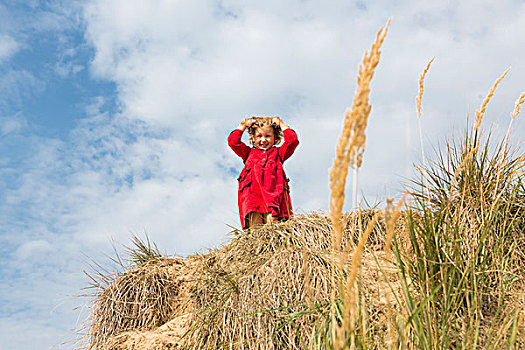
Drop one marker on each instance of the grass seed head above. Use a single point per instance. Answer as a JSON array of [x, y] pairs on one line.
[[421, 89], [518, 105], [481, 112]]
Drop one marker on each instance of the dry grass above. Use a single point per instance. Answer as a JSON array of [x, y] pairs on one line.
[[517, 107], [419, 98], [351, 144], [419, 109], [481, 112], [143, 298], [269, 288], [349, 151], [468, 241]]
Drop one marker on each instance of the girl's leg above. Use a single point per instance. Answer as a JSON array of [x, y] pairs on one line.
[[254, 219], [270, 218]]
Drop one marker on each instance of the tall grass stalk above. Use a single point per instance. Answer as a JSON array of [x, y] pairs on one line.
[[419, 109], [349, 151], [351, 142], [517, 108], [481, 112]]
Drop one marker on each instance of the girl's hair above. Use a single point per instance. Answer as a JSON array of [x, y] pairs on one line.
[[261, 122]]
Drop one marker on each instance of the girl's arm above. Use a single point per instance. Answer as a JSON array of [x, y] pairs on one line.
[[234, 139], [246, 123], [290, 139]]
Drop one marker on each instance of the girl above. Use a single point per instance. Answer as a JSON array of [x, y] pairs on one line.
[[264, 194]]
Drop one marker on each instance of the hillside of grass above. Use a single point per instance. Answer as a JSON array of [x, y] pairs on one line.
[[271, 288], [268, 287]]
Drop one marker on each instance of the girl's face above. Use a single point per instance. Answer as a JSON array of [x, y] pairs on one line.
[[264, 137]]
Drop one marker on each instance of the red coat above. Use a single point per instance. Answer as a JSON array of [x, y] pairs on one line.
[[263, 185]]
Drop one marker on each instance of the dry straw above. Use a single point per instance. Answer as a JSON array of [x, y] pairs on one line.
[[268, 288], [349, 296], [391, 215], [518, 105], [468, 157], [421, 88], [349, 151], [514, 114], [481, 112], [351, 143], [419, 108], [143, 298]]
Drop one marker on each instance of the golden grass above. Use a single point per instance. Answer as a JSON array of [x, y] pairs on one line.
[[518, 105], [419, 97], [514, 114], [419, 108], [481, 112], [466, 158], [143, 298], [349, 150], [351, 144], [391, 215], [253, 293]]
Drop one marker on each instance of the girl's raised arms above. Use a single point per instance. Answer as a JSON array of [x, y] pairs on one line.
[[246, 123], [277, 121]]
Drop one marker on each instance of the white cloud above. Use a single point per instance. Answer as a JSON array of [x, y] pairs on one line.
[[8, 47], [33, 248], [9, 124], [33, 330], [15, 86]]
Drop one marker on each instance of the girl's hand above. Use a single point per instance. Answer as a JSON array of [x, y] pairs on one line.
[[246, 123], [278, 121], [249, 122]]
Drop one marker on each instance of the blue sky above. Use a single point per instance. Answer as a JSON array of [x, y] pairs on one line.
[[114, 116]]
